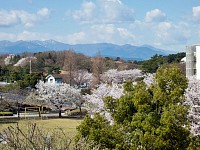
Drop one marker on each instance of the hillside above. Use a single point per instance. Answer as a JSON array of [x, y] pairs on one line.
[[128, 52]]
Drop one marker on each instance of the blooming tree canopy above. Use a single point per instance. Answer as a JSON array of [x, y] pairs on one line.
[[95, 101], [148, 117], [113, 75], [83, 77], [149, 79], [193, 100], [59, 95]]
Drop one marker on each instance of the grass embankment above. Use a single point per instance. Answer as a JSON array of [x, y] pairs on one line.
[[67, 125]]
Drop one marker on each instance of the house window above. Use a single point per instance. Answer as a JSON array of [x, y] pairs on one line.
[[51, 80]]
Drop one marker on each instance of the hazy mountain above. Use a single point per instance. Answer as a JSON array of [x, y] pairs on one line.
[[106, 49]]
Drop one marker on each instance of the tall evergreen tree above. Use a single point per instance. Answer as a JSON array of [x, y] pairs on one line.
[[149, 118]]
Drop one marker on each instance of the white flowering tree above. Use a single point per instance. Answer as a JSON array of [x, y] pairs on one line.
[[8, 59], [149, 79], [83, 77], [59, 95], [193, 101], [95, 101], [113, 75], [112, 86]]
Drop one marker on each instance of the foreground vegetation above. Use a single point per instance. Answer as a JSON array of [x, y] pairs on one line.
[[68, 125], [146, 117], [39, 134], [52, 62], [126, 111]]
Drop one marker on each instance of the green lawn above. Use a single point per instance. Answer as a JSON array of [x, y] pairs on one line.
[[67, 125], [45, 127]]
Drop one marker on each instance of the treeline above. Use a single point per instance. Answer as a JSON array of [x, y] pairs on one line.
[[157, 61], [51, 62]]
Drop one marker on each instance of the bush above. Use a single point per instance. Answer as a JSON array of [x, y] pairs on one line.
[[34, 137], [77, 112], [31, 137], [6, 113]]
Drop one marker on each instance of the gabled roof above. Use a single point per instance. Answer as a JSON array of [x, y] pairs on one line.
[[55, 76], [48, 76]]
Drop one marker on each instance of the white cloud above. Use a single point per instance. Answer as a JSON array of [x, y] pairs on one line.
[[76, 38], [103, 33], [8, 18], [164, 26], [169, 34], [155, 15], [165, 35], [85, 13], [103, 11], [25, 35], [15, 17], [196, 13], [44, 12], [7, 36], [118, 1], [125, 34]]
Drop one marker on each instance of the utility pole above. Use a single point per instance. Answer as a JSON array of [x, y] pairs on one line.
[[30, 68]]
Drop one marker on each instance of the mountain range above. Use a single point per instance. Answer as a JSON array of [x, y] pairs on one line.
[[128, 52]]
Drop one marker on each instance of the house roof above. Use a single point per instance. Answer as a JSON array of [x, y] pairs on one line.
[[183, 59], [55, 76]]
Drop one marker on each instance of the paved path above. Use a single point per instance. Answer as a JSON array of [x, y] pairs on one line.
[[29, 115]]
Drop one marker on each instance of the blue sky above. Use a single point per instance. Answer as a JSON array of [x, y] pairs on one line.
[[163, 24]]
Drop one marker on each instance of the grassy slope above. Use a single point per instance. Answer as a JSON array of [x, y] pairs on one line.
[[68, 125]]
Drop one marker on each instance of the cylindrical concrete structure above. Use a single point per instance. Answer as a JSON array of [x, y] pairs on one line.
[[198, 61], [190, 61]]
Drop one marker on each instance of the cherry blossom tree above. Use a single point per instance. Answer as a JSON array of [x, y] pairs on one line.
[[59, 95], [113, 75], [8, 59], [95, 101], [193, 101], [112, 86], [149, 117], [23, 61], [83, 77], [149, 79]]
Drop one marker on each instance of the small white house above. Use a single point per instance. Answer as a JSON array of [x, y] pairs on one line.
[[183, 60], [54, 78]]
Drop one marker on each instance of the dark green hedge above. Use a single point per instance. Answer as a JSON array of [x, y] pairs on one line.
[[6, 114]]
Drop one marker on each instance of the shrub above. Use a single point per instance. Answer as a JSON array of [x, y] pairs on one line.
[[77, 112], [6, 113]]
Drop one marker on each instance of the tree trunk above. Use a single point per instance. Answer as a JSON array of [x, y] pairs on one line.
[[18, 110], [18, 113], [80, 112], [60, 115], [80, 109]]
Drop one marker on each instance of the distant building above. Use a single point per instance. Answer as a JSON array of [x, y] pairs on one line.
[[56, 78], [193, 61], [4, 83], [183, 60]]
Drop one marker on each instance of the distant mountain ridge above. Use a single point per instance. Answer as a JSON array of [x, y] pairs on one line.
[[105, 49]]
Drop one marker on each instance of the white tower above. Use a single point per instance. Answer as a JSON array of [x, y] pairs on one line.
[[198, 61], [190, 61], [193, 61]]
